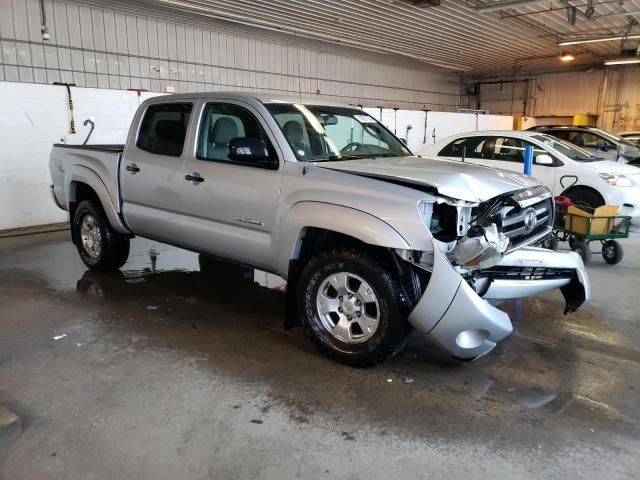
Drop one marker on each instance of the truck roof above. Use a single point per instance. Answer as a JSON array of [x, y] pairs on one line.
[[259, 96]]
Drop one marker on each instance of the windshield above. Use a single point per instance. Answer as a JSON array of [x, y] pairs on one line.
[[566, 148], [616, 138], [318, 133]]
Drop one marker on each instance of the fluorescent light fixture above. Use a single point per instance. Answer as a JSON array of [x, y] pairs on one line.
[[623, 61], [608, 38], [495, 6], [567, 57]]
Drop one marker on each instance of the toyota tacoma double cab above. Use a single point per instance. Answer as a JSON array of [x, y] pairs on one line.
[[373, 241]]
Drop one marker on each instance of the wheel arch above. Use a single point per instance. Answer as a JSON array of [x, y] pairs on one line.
[[84, 184], [309, 222], [573, 188]]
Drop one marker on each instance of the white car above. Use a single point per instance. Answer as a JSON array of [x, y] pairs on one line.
[[564, 168]]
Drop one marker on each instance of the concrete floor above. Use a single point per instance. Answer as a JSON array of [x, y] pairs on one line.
[[167, 372]]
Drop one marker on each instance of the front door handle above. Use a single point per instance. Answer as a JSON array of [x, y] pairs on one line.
[[133, 168], [194, 177]]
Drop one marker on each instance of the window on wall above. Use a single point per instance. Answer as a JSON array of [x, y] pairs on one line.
[[164, 128], [221, 123]]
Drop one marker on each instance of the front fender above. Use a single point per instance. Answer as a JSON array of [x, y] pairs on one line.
[[355, 223], [82, 174]]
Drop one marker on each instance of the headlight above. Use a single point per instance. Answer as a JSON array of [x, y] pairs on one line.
[[616, 180], [425, 209]]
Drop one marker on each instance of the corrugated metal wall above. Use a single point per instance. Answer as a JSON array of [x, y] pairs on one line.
[[612, 94], [95, 47]]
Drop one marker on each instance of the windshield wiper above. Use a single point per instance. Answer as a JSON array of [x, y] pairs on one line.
[[336, 158], [333, 158]]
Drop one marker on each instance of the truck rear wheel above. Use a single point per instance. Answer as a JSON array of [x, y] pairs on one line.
[[352, 308], [100, 246]]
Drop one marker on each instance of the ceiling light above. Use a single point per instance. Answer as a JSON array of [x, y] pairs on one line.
[[623, 61], [609, 38], [494, 6], [567, 57]]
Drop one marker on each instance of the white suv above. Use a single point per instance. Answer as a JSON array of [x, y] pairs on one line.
[[564, 168]]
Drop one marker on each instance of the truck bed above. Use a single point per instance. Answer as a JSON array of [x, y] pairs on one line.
[[99, 160], [98, 148]]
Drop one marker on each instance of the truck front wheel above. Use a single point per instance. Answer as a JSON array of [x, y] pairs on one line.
[[100, 246], [352, 307]]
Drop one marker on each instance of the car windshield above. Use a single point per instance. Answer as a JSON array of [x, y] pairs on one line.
[[566, 148], [615, 138], [320, 133]]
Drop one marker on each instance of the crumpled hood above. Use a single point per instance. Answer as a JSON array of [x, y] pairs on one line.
[[462, 181]]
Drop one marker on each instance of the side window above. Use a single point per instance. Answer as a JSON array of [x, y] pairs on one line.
[[568, 135], [472, 147], [164, 128], [508, 150], [222, 122], [539, 151]]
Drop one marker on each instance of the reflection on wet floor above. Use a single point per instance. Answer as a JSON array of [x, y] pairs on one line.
[[565, 372]]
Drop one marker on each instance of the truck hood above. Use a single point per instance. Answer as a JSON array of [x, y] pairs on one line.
[[462, 181]]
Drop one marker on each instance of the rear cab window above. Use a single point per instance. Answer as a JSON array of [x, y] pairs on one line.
[[164, 128]]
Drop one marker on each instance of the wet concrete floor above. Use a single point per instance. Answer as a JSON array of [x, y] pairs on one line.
[[166, 371]]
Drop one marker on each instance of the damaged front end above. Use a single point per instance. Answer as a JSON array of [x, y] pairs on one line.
[[480, 258]]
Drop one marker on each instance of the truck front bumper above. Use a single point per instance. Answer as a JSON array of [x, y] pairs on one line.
[[452, 315]]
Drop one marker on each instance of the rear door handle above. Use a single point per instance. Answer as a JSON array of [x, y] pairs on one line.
[[194, 177], [133, 168]]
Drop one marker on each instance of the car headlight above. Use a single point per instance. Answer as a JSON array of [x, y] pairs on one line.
[[425, 209], [616, 180]]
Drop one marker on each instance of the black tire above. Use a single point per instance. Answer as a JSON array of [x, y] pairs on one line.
[[582, 248], [550, 243], [585, 197], [612, 252], [114, 249], [572, 242], [392, 330]]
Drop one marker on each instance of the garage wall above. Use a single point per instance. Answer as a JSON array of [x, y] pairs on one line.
[[96, 47], [32, 118], [613, 94]]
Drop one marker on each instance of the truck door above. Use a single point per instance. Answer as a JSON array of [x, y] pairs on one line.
[[230, 207], [151, 175]]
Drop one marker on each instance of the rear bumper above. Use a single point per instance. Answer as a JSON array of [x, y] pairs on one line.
[[452, 315]]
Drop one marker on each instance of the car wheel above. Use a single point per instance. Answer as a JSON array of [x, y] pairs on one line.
[[351, 307], [612, 252], [582, 248], [585, 198], [99, 245]]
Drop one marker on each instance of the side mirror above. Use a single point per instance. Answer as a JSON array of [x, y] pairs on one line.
[[544, 160], [602, 146], [252, 151]]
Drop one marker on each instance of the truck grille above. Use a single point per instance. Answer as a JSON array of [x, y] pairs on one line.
[[524, 225], [524, 216], [528, 273]]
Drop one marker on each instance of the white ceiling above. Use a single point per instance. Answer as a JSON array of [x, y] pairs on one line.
[[452, 35]]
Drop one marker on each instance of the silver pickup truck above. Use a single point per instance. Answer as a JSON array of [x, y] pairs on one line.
[[372, 240]]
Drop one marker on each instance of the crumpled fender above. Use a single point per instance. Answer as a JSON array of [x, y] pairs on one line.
[[453, 316]]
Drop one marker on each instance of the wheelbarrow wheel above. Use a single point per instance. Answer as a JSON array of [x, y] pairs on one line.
[[582, 248], [612, 252], [550, 243]]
